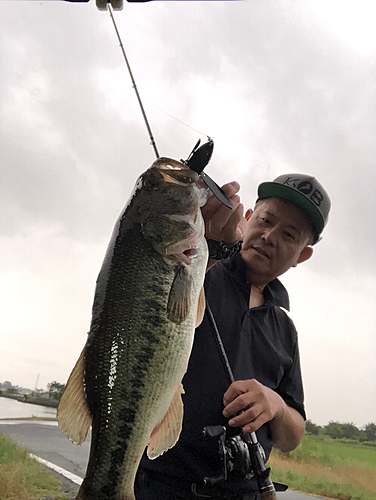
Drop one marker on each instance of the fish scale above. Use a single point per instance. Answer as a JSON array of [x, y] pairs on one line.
[[138, 341], [141, 334]]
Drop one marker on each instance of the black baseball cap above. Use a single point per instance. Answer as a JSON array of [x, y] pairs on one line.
[[306, 192]]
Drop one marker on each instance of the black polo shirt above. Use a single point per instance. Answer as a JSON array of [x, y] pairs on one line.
[[261, 343]]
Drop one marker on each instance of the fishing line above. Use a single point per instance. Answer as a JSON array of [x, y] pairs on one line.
[[152, 141], [177, 119]]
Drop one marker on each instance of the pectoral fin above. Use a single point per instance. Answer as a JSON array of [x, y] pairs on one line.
[[200, 307], [166, 434], [179, 299], [73, 414]]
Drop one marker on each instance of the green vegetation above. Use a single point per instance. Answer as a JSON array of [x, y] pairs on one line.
[[343, 469], [55, 390], [11, 391], [337, 460], [50, 398], [22, 478], [347, 430]]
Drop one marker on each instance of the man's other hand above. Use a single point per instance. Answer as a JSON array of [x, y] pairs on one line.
[[259, 405]]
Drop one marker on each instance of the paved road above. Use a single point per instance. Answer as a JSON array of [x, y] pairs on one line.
[[45, 440]]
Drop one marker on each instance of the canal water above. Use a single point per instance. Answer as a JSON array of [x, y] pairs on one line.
[[10, 408]]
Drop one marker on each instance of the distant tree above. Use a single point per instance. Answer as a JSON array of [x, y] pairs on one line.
[[337, 430], [6, 385], [55, 390], [350, 431], [312, 428], [11, 391], [362, 436], [334, 430], [370, 431]]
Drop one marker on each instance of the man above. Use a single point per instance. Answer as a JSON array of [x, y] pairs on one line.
[[259, 338]]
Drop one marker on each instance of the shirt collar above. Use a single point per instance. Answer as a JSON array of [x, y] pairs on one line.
[[274, 292]]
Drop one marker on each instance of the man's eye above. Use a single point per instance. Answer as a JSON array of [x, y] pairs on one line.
[[265, 220], [290, 236]]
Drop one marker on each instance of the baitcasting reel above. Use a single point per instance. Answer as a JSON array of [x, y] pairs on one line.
[[241, 458]]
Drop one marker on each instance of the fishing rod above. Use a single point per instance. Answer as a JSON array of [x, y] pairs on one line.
[[152, 141], [102, 4], [256, 456], [197, 161], [198, 158]]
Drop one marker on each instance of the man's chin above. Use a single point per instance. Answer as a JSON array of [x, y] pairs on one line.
[[257, 263]]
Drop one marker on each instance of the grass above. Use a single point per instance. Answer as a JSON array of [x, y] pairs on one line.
[[22, 478], [328, 468], [340, 470]]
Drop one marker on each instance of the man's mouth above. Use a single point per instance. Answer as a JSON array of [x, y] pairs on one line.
[[261, 251]]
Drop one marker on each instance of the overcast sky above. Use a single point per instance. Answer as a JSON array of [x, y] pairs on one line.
[[282, 86]]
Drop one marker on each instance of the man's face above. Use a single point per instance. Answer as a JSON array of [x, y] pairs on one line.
[[275, 239]]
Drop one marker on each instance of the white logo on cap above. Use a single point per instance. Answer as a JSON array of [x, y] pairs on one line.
[[306, 188]]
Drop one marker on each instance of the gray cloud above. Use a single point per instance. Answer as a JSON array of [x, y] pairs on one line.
[[270, 80], [316, 97]]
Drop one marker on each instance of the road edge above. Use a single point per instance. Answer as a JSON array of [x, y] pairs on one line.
[[69, 475]]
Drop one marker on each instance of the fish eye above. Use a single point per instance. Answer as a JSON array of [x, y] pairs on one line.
[[151, 184]]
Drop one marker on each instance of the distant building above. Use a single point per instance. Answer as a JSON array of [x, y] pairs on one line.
[[25, 392]]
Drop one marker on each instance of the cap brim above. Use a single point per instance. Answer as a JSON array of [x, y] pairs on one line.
[[273, 189]]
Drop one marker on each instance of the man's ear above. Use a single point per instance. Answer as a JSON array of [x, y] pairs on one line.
[[248, 213], [305, 254]]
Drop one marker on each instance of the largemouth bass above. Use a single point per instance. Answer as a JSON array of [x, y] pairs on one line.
[[148, 301]]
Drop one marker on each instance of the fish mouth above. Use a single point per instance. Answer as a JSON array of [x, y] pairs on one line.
[[174, 171], [261, 251], [178, 230]]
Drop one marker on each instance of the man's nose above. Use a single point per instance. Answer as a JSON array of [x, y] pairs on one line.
[[269, 235]]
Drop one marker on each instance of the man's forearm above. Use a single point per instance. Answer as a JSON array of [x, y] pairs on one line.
[[287, 429]]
